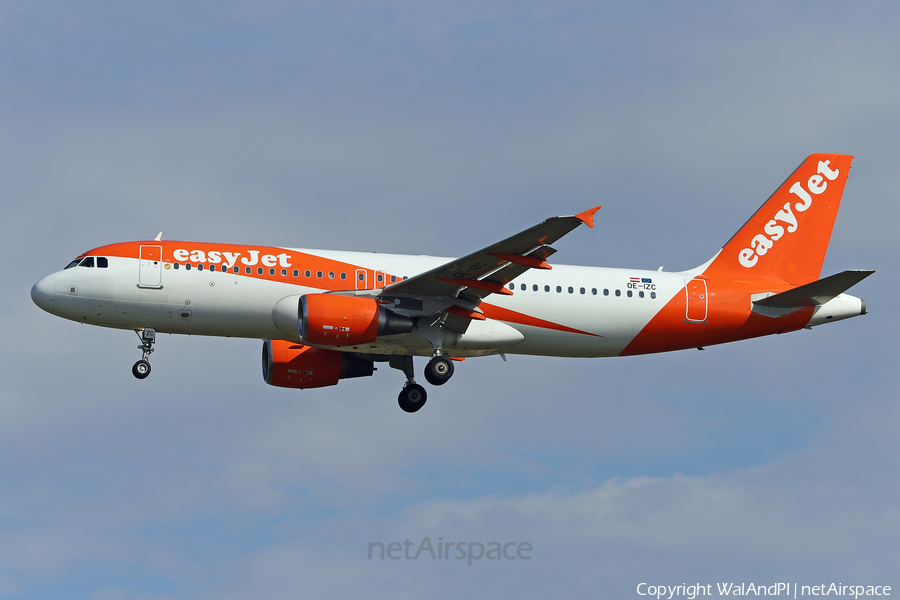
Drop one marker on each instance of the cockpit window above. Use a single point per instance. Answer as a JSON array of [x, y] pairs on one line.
[[102, 262]]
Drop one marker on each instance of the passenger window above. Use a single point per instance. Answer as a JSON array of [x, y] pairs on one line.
[[248, 270], [582, 290], [187, 267], [307, 273], [630, 293], [319, 274], [212, 267], [236, 269], [524, 287], [88, 262], [606, 291], [343, 276], [571, 289], [330, 274], [380, 278], [296, 273], [102, 263], [546, 288], [393, 278], [618, 293], [641, 294], [534, 287], [259, 270], [512, 286], [175, 266], [271, 271], [199, 267], [559, 289], [653, 295], [594, 291], [361, 276]]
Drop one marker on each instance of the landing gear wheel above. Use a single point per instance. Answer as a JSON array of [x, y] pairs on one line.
[[141, 369], [412, 397], [438, 370]]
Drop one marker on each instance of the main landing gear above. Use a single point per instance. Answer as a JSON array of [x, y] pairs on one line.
[[142, 367], [413, 396], [439, 370]]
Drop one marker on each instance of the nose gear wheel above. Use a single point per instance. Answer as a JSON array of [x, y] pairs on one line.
[[141, 368]]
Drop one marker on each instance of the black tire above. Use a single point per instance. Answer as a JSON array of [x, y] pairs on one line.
[[141, 369], [412, 398], [438, 370]]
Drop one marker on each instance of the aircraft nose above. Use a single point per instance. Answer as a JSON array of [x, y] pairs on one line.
[[43, 293]]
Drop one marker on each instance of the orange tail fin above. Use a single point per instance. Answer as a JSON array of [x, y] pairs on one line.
[[788, 236]]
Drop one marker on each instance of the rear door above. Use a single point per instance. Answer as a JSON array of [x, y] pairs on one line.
[[697, 300]]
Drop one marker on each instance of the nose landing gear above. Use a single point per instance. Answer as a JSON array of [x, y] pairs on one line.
[[142, 367]]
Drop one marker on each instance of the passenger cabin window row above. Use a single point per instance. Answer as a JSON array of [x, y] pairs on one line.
[[284, 272], [570, 289]]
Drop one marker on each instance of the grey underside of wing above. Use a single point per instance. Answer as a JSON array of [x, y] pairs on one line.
[[481, 265], [815, 293]]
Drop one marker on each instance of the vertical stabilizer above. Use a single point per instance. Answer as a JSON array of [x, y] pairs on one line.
[[788, 236]]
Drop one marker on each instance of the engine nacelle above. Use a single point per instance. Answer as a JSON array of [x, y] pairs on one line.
[[292, 365], [333, 320]]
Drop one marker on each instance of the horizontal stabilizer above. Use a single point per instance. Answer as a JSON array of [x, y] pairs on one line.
[[815, 293]]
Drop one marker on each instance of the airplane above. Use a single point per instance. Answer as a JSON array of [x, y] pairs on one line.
[[328, 315]]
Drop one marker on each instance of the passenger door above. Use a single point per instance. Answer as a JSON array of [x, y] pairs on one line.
[[697, 300], [150, 267]]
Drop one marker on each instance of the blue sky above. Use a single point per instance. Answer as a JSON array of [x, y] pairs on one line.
[[437, 129]]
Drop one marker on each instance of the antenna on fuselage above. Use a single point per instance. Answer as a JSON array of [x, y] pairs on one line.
[[158, 236]]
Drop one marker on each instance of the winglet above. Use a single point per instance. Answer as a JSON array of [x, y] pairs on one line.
[[587, 217]]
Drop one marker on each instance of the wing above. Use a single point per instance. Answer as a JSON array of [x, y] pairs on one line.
[[463, 283]]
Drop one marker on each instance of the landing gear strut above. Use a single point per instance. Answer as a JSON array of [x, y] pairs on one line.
[[438, 370], [413, 396], [142, 367]]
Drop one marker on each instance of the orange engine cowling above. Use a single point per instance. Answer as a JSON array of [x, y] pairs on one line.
[[333, 320], [292, 365]]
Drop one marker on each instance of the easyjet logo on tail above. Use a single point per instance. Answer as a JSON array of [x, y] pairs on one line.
[[785, 217]]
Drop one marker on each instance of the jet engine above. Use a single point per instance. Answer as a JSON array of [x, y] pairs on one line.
[[333, 320], [292, 365]]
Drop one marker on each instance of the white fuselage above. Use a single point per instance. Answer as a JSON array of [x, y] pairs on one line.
[[604, 305]]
